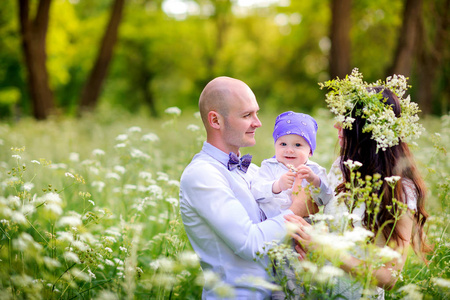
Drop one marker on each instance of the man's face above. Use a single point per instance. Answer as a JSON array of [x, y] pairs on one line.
[[241, 121], [292, 149]]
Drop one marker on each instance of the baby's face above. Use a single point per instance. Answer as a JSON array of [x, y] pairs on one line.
[[292, 149]]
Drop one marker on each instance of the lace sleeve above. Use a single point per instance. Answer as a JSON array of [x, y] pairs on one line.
[[409, 190]]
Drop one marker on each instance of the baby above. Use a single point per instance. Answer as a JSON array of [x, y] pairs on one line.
[[295, 141]]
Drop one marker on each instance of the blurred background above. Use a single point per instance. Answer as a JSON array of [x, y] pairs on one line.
[[72, 57]]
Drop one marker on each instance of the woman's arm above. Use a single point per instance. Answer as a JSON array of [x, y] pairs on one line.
[[385, 276]]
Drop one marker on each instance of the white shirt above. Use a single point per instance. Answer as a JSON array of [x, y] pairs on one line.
[[272, 204], [223, 221]]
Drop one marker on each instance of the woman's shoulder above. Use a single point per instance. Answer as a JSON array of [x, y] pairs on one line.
[[409, 189]]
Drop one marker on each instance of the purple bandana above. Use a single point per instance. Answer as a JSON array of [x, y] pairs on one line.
[[296, 123]]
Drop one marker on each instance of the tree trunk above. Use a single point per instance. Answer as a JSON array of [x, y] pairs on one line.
[[222, 24], [92, 88], [34, 34], [430, 58], [340, 38], [407, 42]]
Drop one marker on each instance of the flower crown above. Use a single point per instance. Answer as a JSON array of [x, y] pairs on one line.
[[387, 129]]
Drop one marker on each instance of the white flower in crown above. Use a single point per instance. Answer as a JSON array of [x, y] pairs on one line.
[[387, 129]]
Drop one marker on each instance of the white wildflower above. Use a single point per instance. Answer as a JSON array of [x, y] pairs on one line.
[[162, 176], [352, 165], [94, 170], [173, 182], [389, 254], [145, 175], [412, 292], [108, 249], [122, 137], [164, 263], [119, 169], [71, 257], [441, 282], [71, 221], [91, 202], [208, 280], [78, 274], [308, 266], [358, 234], [113, 231], [173, 201], [16, 156], [150, 137], [327, 273], [51, 263], [28, 186], [110, 239], [35, 162], [392, 180], [22, 280], [52, 198], [109, 262], [224, 290], [68, 174], [64, 236], [28, 209], [352, 217], [134, 129], [322, 217], [193, 127], [136, 153], [120, 145], [98, 152], [291, 227], [189, 259], [112, 175], [75, 157], [99, 185], [25, 241], [123, 249], [130, 187], [107, 295], [80, 245], [258, 282], [18, 218], [92, 275], [173, 111]]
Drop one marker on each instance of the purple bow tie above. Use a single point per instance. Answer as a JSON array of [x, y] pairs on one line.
[[242, 163]]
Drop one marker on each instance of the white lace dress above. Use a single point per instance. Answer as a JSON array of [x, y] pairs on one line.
[[346, 288]]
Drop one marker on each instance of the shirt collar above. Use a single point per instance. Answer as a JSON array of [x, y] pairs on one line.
[[216, 153]]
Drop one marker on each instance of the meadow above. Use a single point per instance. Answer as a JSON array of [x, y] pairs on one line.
[[89, 207]]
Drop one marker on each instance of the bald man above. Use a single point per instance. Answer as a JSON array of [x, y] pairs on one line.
[[222, 219]]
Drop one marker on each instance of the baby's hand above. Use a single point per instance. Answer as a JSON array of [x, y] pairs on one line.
[[305, 172], [285, 182]]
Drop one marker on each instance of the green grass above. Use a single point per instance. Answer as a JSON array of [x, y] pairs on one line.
[[119, 186]]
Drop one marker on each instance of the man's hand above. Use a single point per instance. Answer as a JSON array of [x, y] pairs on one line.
[[302, 203], [284, 182]]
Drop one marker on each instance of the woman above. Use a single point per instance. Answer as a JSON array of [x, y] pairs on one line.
[[374, 121]]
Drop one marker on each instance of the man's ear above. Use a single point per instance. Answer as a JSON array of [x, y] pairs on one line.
[[214, 119]]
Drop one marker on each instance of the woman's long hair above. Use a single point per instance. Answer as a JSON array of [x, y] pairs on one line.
[[394, 161]]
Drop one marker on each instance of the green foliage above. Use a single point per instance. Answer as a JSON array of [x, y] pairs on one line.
[[160, 60]]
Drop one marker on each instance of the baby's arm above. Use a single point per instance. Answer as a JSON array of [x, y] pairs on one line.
[[284, 182], [305, 172]]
